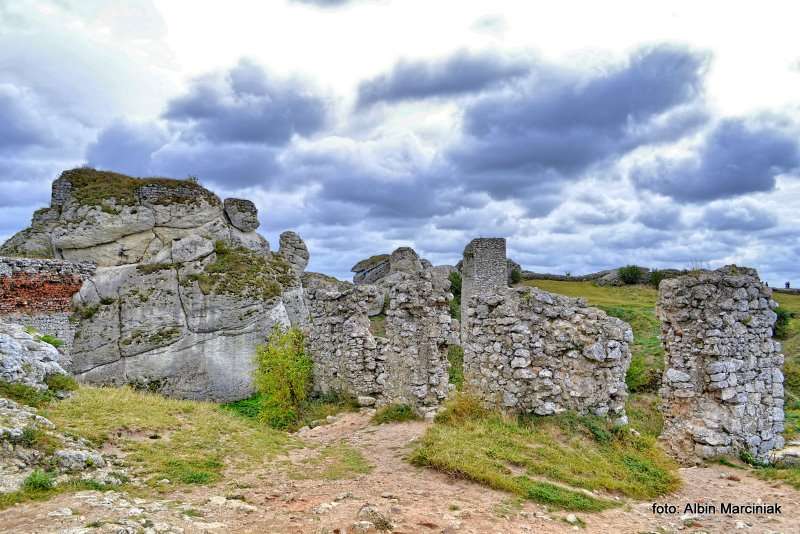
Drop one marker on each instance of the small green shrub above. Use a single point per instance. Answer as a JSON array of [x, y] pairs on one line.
[[455, 355], [283, 376], [38, 481], [656, 277], [630, 274], [394, 413], [58, 382], [25, 394], [516, 276], [455, 284], [781, 329], [52, 340]]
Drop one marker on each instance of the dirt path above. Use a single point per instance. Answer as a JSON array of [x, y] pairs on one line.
[[415, 500]]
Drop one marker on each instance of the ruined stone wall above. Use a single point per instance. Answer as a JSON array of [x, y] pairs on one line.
[[527, 350], [404, 364], [37, 293], [723, 386]]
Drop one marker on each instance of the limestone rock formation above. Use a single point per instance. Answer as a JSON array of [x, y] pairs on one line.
[[112, 219], [241, 213], [25, 358], [722, 391], [184, 290], [371, 270]]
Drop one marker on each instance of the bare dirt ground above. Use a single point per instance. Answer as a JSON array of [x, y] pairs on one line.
[[415, 500]]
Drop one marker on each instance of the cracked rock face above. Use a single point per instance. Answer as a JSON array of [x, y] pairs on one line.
[[242, 214], [24, 359], [722, 391], [184, 291], [111, 219]]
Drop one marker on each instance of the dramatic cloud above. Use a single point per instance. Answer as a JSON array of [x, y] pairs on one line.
[[22, 124], [463, 72], [739, 156], [557, 125], [743, 216], [248, 105], [126, 148]]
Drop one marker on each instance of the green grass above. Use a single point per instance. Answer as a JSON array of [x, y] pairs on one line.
[[337, 461], [634, 305], [195, 442], [394, 413], [546, 459], [313, 409], [38, 489], [455, 356], [25, 394]]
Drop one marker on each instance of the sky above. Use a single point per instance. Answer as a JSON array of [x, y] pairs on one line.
[[589, 134]]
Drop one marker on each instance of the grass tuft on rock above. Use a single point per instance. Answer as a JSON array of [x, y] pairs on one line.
[[550, 460], [240, 272]]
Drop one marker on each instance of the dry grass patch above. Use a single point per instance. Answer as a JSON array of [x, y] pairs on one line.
[[334, 462], [186, 442]]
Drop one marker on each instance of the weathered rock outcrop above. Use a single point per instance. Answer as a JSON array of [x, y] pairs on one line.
[[184, 291], [27, 440], [371, 270], [397, 356], [527, 350], [722, 390], [111, 219]]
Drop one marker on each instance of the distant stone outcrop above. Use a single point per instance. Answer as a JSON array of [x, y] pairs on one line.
[[184, 288], [722, 391]]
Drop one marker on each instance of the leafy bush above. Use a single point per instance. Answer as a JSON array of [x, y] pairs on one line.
[[656, 277], [516, 276], [38, 481], [283, 376], [455, 289], [781, 330], [455, 284], [455, 355], [394, 413], [24, 394], [630, 274]]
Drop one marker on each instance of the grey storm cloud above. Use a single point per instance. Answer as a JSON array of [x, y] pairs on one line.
[[739, 156], [248, 105], [742, 216], [557, 125], [126, 147], [22, 124], [462, 72]]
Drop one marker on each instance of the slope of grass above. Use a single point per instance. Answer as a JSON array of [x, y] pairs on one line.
[[634, 305], [546, 459], [186, 442], [336, 461]]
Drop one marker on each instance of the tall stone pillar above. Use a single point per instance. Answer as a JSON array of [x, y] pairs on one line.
[[722, 391], [483, 271]]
